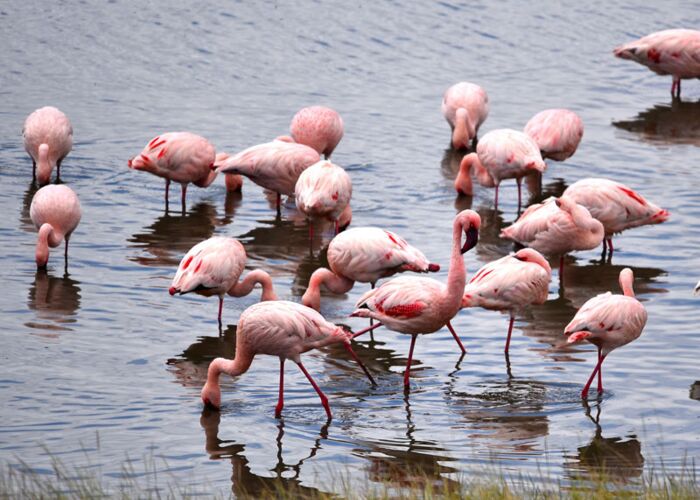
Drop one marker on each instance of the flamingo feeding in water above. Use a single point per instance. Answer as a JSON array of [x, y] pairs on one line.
[[48, 138], [278, 328], [608, 321], [56, 212], [364, 254], [465, 106], [557, 133], [418, 305], [463, 182], [323, 191], [318, 127]]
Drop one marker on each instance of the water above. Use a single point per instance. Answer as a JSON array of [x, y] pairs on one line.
[[101, 361]]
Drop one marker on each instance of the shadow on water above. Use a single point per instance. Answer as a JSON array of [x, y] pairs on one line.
[[675, 123], [190, 367], [56, 300], [695, 390], [25, 220]]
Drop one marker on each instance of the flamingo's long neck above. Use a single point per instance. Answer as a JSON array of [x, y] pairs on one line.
[[43, 165], [233, 367], [333, 282], [48, 237], [626, 283], [462, 133], [207, 180], [457, 274], [463, 182], [243, 288]]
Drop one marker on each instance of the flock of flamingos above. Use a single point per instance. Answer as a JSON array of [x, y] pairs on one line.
[[587, 214]]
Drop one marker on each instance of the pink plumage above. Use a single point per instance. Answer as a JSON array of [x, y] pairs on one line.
[[465, 106], [56, 212], [323, 191], [608, 321], [463, 182], [674, 52], [48, 138], [278, 328], [318, 127], [557, 132]]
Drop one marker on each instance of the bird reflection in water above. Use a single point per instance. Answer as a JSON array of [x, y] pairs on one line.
[[695, 390], [190, 367], [24, 219], [55, 300], [675, 123]]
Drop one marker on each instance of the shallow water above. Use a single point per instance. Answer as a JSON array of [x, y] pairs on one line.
[[100, 361]]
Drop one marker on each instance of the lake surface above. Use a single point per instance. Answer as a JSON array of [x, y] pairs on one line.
[[100, 364]]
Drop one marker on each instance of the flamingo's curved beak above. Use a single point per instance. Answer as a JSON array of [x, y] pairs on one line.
[[472, 238], [172, 290]]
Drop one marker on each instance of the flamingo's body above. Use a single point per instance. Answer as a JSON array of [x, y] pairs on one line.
[[48, 138], [277, 328], [364, 254], [510, 284], [557, 132], [615, 205], [463, 182], [674, 52], [213, 267], [318, 127], [180, 157], [56, 212], [465, 106], [417, 305], [608, 321], [323, 191]]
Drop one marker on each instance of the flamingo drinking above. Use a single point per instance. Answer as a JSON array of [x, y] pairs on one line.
[[48, 138], [465, 106], [323, 191], [56, 212]]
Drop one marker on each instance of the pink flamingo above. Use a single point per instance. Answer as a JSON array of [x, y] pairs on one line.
[[608, 321], [274, 165], [318, 127], [509, 284], [364, 254], [278, 328], [180, 157], [213, 267], [463, 182], [323, 191], [673, 52], [557, 132], [555, 227], [465, 106], [48, 138], [417, 305], [56, 212], [615, 205]]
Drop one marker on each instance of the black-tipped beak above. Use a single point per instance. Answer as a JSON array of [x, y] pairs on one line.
[[472, 235]]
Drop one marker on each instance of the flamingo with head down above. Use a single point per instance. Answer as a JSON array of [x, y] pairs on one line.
[[465, 106], [318, 127], [557, 133], [323, 191], [56, 212], [48, 138]]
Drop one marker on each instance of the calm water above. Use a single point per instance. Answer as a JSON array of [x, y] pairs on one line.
[[101, 361]]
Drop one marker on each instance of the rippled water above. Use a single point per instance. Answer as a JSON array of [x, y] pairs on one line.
[[100, 360]]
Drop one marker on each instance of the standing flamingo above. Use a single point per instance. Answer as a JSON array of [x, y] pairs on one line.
[[417, 305], [557, 133], [673, 52], [322, 192], [318, 127], [278, 328], [364, 254], [465, 106], [555, 227], [615, 205], [509, 284], [56, 212], [48, 138], [608, 321], [463, 182], [180, 157], [213, 267]]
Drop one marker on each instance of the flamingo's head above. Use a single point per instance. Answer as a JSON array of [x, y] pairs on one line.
[[532, 255], [140, 162], [469, 222], [625, 52], [577, 336], [211, 395]]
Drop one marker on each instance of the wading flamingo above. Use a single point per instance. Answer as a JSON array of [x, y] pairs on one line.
[[673, 52], [463, 181], [465, 106], [318, 127], [557, 133], [277, 328], [48, 138], [608, 321], [55, 211], [213, 267], [510, 284], [323, 191], [417, 305], [364, 254]]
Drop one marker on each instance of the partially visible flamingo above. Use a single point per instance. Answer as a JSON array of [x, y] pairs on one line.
[[463, 182], [509, 284], [696, 290], [674, 52], [213, 267], [323, 191], [364, 254], [417, 305], [318, 127], [465, 106], [56, 212], [615, 205], [608, 321], [283, 329], [48, 138], [557, 132]]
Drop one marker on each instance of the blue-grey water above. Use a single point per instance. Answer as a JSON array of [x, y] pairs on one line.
[[101, 365]]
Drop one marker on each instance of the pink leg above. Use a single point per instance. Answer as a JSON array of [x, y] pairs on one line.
[[184, 197], [610, 246], [407, 373], [348, 348], [600, 372], [337, 226], [510, 330], [324, 399], [365, 330], [454, 334], [496, 199], [279, 201], [280, 399], [519, 181], [221, 308], [584, 392], [167, 192]]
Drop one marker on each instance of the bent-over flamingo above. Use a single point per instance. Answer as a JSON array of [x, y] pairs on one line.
[[56, 212], [322, 192], [465, 106], [463, 182], [557, 132], [318, 127], [48, 138]]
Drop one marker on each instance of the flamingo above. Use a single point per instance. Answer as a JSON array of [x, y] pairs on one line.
[[56, 212], [555, 227], [509, 284], [213, 267], [608, 321], [364, 254], [674, 52], [48, 138], [417, 305], [463, 182], [465, 106], [180, 157], [318, 127], [615, 205], [557, 133], [323, 191], [278, 328]]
